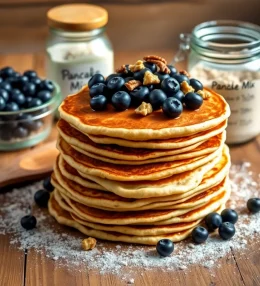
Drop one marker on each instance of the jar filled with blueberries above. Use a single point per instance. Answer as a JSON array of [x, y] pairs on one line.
[[27, 108]]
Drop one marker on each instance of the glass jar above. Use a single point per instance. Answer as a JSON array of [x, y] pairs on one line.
[[77, 46], [225, 56]]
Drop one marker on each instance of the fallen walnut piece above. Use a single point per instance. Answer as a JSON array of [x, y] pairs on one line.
[[88, 243], [139, 65], [184, 72], [151, 58], [150, 78], [203, 93], [132, 84], [185, 87], [122, 69], [144, 109]]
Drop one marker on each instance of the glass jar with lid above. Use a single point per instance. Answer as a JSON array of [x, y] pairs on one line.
[[77, 46], [225, 56]]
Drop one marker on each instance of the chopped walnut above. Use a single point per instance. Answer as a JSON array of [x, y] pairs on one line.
[[185, 87], [139, 65], [88, 243], [122, 69], [144, 109], [132, 84], [184, 72], [203, 93], [155, 58], [150, 78]]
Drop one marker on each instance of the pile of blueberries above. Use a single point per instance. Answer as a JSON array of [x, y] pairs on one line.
[[166, 95], [224, 222], [19, 92]]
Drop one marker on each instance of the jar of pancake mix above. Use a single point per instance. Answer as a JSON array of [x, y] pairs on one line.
[[225, 55], [77, 46]]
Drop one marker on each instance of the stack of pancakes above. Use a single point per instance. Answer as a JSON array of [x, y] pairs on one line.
[[124, 177]]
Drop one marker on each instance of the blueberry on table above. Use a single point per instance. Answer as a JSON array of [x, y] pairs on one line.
[[151, 66], [199, 234], [179, 95], [44, 95], [47, 184], [115, 83], [96, 78], [11, 106], [165, 247], [229, 215], [28, 222], [2, 103], [20, 132], [139, 75], [172, 107], [193, 100], [35, 102], [170, 86], [213, 221], [98, 102], [162, 76], [121, 100], [6, 72], [18, 98], [226, 230], [47, 85], [29, 89], [30, 74], [6, 86], [172, 69], [140, 94], [41, 198], [4, 94], [157, 98], [253, 205], [181, 78], [97, 89], [196, 84]]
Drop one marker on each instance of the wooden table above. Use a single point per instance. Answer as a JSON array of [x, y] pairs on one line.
[[21, 268]]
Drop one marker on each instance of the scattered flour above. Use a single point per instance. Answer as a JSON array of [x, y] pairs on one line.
[[65, 247]]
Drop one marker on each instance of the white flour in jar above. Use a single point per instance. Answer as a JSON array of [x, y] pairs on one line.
[[241, 90]]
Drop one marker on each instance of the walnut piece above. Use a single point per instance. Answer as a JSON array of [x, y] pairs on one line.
[[144, 109], [88, 243], [155, 58], [184, 72], [122, 69], [203, 93], [150, 78], [185, 87], [132, 84], [139, 65]]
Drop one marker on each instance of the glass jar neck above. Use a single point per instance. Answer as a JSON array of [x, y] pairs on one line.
[[226, 41]]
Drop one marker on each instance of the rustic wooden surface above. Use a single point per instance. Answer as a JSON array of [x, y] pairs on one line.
[[29, 268]]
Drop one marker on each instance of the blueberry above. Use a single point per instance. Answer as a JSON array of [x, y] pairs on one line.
[[11, 106], [21, 132], [140, 94], [229, 215], [1, 79], [165, 247], [97, 89], [213, 221], [30, 74], [46, 85], [18, 98], [27, 101], [115, 83], [47, 184], [172, 69], [253, 205], [2, 103], [6, 86], [28, 222], [41, 198], [96, 78], [4, 94], [162, 76], [226, 230], [6, 72], [193, 100], [150, 87], [34, 102], [199, 234], [98, 102], [196, 84], [111, 76], [151, 66], [139, 75], [172, 107], [29, 89], [181, 78], [121, 100], [36, 125], [21, 81], [179, 95], [28, 122], [44, 95], [36, 81], [170, 86], [157, 98]]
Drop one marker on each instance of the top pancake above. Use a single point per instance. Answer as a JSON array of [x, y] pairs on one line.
[[76, 110]]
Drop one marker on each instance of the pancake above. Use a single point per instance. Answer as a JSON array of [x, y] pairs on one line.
[[127, 125], [173, 143], [110, 171], [205, 148]]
